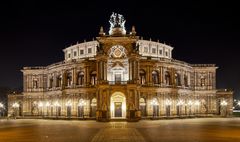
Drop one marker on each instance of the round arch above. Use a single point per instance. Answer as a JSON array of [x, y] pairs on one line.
[[118, 105]]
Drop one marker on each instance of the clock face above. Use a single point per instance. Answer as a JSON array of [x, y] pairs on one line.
[[117, 51]]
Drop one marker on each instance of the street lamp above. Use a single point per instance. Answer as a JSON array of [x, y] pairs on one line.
[[69, 105], [168, 103], [1, 109], [81, 105], [190, 103], [15, 108], [197, 104], [224, 104], [57, 105], [238, 103], [179, 104], [154, 103], [40, 107], [47, 105]]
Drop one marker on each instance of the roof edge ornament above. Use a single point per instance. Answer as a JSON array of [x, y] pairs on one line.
[[117, 24]]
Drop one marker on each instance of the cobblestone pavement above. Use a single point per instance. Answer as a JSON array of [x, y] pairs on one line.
[[178, 130]]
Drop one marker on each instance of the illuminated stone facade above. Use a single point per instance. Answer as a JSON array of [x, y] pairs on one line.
[[119, 75]]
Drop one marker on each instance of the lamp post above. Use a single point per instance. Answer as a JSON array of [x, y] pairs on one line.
[[57, 105], [154, 103], [69, 105], [238, 103], [15, 109], [197, 104], [1, 109], [40, 107], [168, 103], [179, 104], [47, 107], [81, 107], [190, 103], [223, 106]]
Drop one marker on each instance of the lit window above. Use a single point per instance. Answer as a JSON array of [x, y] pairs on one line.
[[89, 50], [81, 52], [75, 53], [154, 50]]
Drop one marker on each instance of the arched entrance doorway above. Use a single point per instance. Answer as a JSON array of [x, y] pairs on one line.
[[118, 105]]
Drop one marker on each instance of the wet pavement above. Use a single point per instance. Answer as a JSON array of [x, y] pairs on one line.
[[178, 130]]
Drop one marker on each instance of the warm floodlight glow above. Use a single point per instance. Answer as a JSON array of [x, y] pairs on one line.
[[81, 102], [238, 103], [47, 104], [15, 105], [56, 103], [168, 102], [40, 104], [190, 103], [197, 103], [69, 103], [180, 102], [1, 105], [154, 102], [224, 103]]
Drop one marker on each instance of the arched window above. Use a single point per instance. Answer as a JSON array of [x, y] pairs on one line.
[[93, 78], [202, 81], [155, 79], [142, 74], [80, 78], [69, 79], [185, 80], [93, 107], [167, 78], [51, 82], [59, 81], [142, 105], [35, 83], [177, 79]]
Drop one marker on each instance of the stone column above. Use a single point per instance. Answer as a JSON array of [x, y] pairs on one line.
[[74, 77]]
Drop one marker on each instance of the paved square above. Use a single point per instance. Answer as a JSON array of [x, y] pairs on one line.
[[181, 130]]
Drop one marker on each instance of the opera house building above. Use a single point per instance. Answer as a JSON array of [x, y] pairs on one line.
[[119, 75]]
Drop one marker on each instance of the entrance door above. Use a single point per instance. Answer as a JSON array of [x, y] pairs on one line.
[[118, 109]]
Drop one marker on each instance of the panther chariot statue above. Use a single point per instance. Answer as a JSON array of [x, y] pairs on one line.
[[117, 25]]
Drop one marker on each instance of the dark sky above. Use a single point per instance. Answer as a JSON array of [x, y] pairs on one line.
[[33, 33]]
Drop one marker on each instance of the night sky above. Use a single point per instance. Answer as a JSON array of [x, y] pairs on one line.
[[34, 33]]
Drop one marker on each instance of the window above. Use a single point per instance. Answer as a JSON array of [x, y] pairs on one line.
[[160, 52], [35, 84], [69, 79], [142, 76], [202, 82], [89, 50], [69, 55], [81, 52], [167, 78], [145, 49], [80, 78], [155, 77], [154, 50], [177, 79], [166, 53], [75, 53]]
